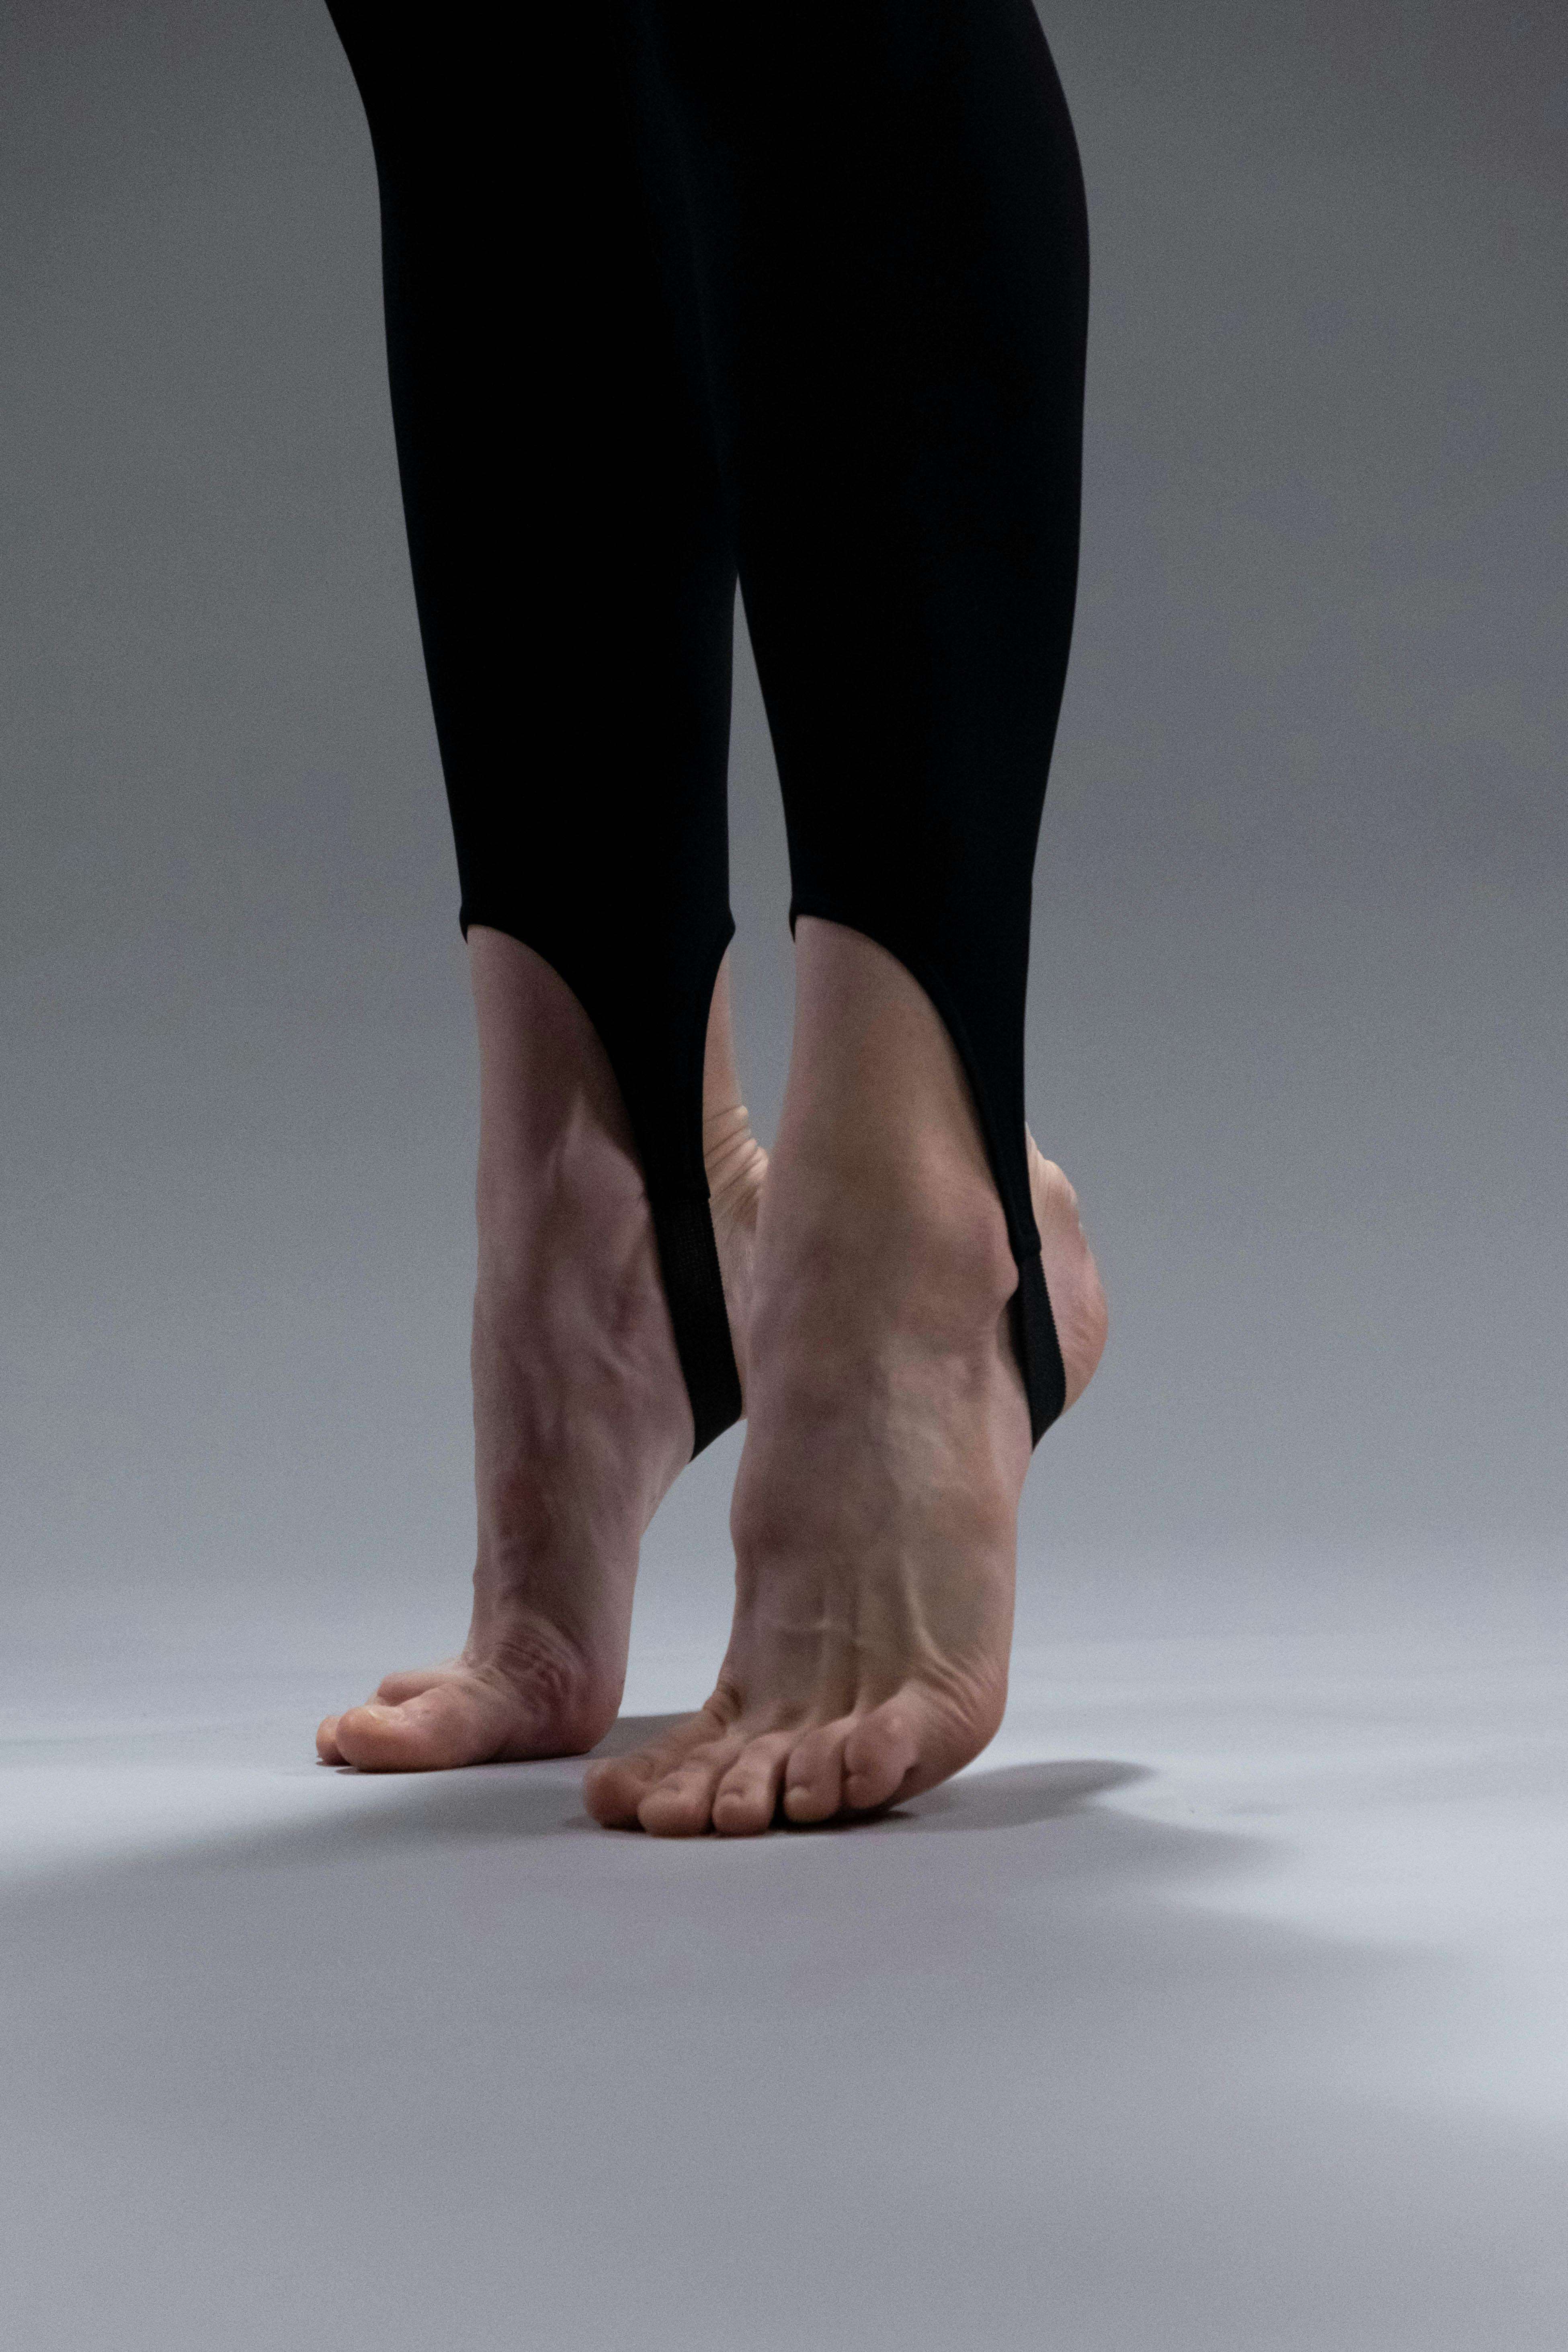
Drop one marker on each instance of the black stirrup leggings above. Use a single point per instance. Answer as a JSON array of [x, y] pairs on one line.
[[794, 291]]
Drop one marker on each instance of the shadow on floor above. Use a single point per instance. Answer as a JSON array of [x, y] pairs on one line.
[[505, 1801], [1034, 2088], [629, 1731], [1013, 1796]]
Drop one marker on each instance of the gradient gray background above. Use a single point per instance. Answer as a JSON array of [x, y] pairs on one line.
[[1300, 967]]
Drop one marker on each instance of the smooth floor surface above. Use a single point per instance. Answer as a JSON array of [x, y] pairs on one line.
[[1221, 2004]]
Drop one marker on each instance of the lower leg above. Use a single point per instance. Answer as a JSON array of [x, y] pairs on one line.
[[581, 1419], [888, 1430]]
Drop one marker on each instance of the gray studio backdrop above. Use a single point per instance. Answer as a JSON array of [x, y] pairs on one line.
[[1300, 962]]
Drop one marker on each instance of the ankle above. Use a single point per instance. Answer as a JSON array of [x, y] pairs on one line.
[[919, 1237], [879, 1105], [575, 1197]]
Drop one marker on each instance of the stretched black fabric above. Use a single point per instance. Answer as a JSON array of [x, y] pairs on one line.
[[791, 291]]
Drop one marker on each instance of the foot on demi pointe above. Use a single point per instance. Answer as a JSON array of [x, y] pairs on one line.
[[581, 1418], [888, 1437]]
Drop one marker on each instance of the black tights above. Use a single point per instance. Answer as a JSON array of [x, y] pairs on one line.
[[791, 291]]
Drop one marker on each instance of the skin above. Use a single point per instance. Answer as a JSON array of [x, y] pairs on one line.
[[581, 1419], [887, 1434], [867, 1274]]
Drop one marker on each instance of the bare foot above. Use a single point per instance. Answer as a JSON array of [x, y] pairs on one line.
[[581, 1418], [888, 1432]]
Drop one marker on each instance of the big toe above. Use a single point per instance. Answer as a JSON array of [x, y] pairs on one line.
[[431, 1733]]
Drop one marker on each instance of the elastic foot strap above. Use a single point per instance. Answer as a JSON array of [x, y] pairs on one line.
[[1039, 1349], [688, 1259]]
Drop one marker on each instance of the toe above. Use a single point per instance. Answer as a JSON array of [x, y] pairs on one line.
[[368, 1726], [431, 1733], [878, 1755], [613, 1788], [814, 1778], [747, 1796], [681, 1803], [395, 1689]]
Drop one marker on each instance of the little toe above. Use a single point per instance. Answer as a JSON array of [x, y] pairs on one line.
[[681, 1803], [878, 1756], [615, 1787], [747, 1796], [814, 1778]]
